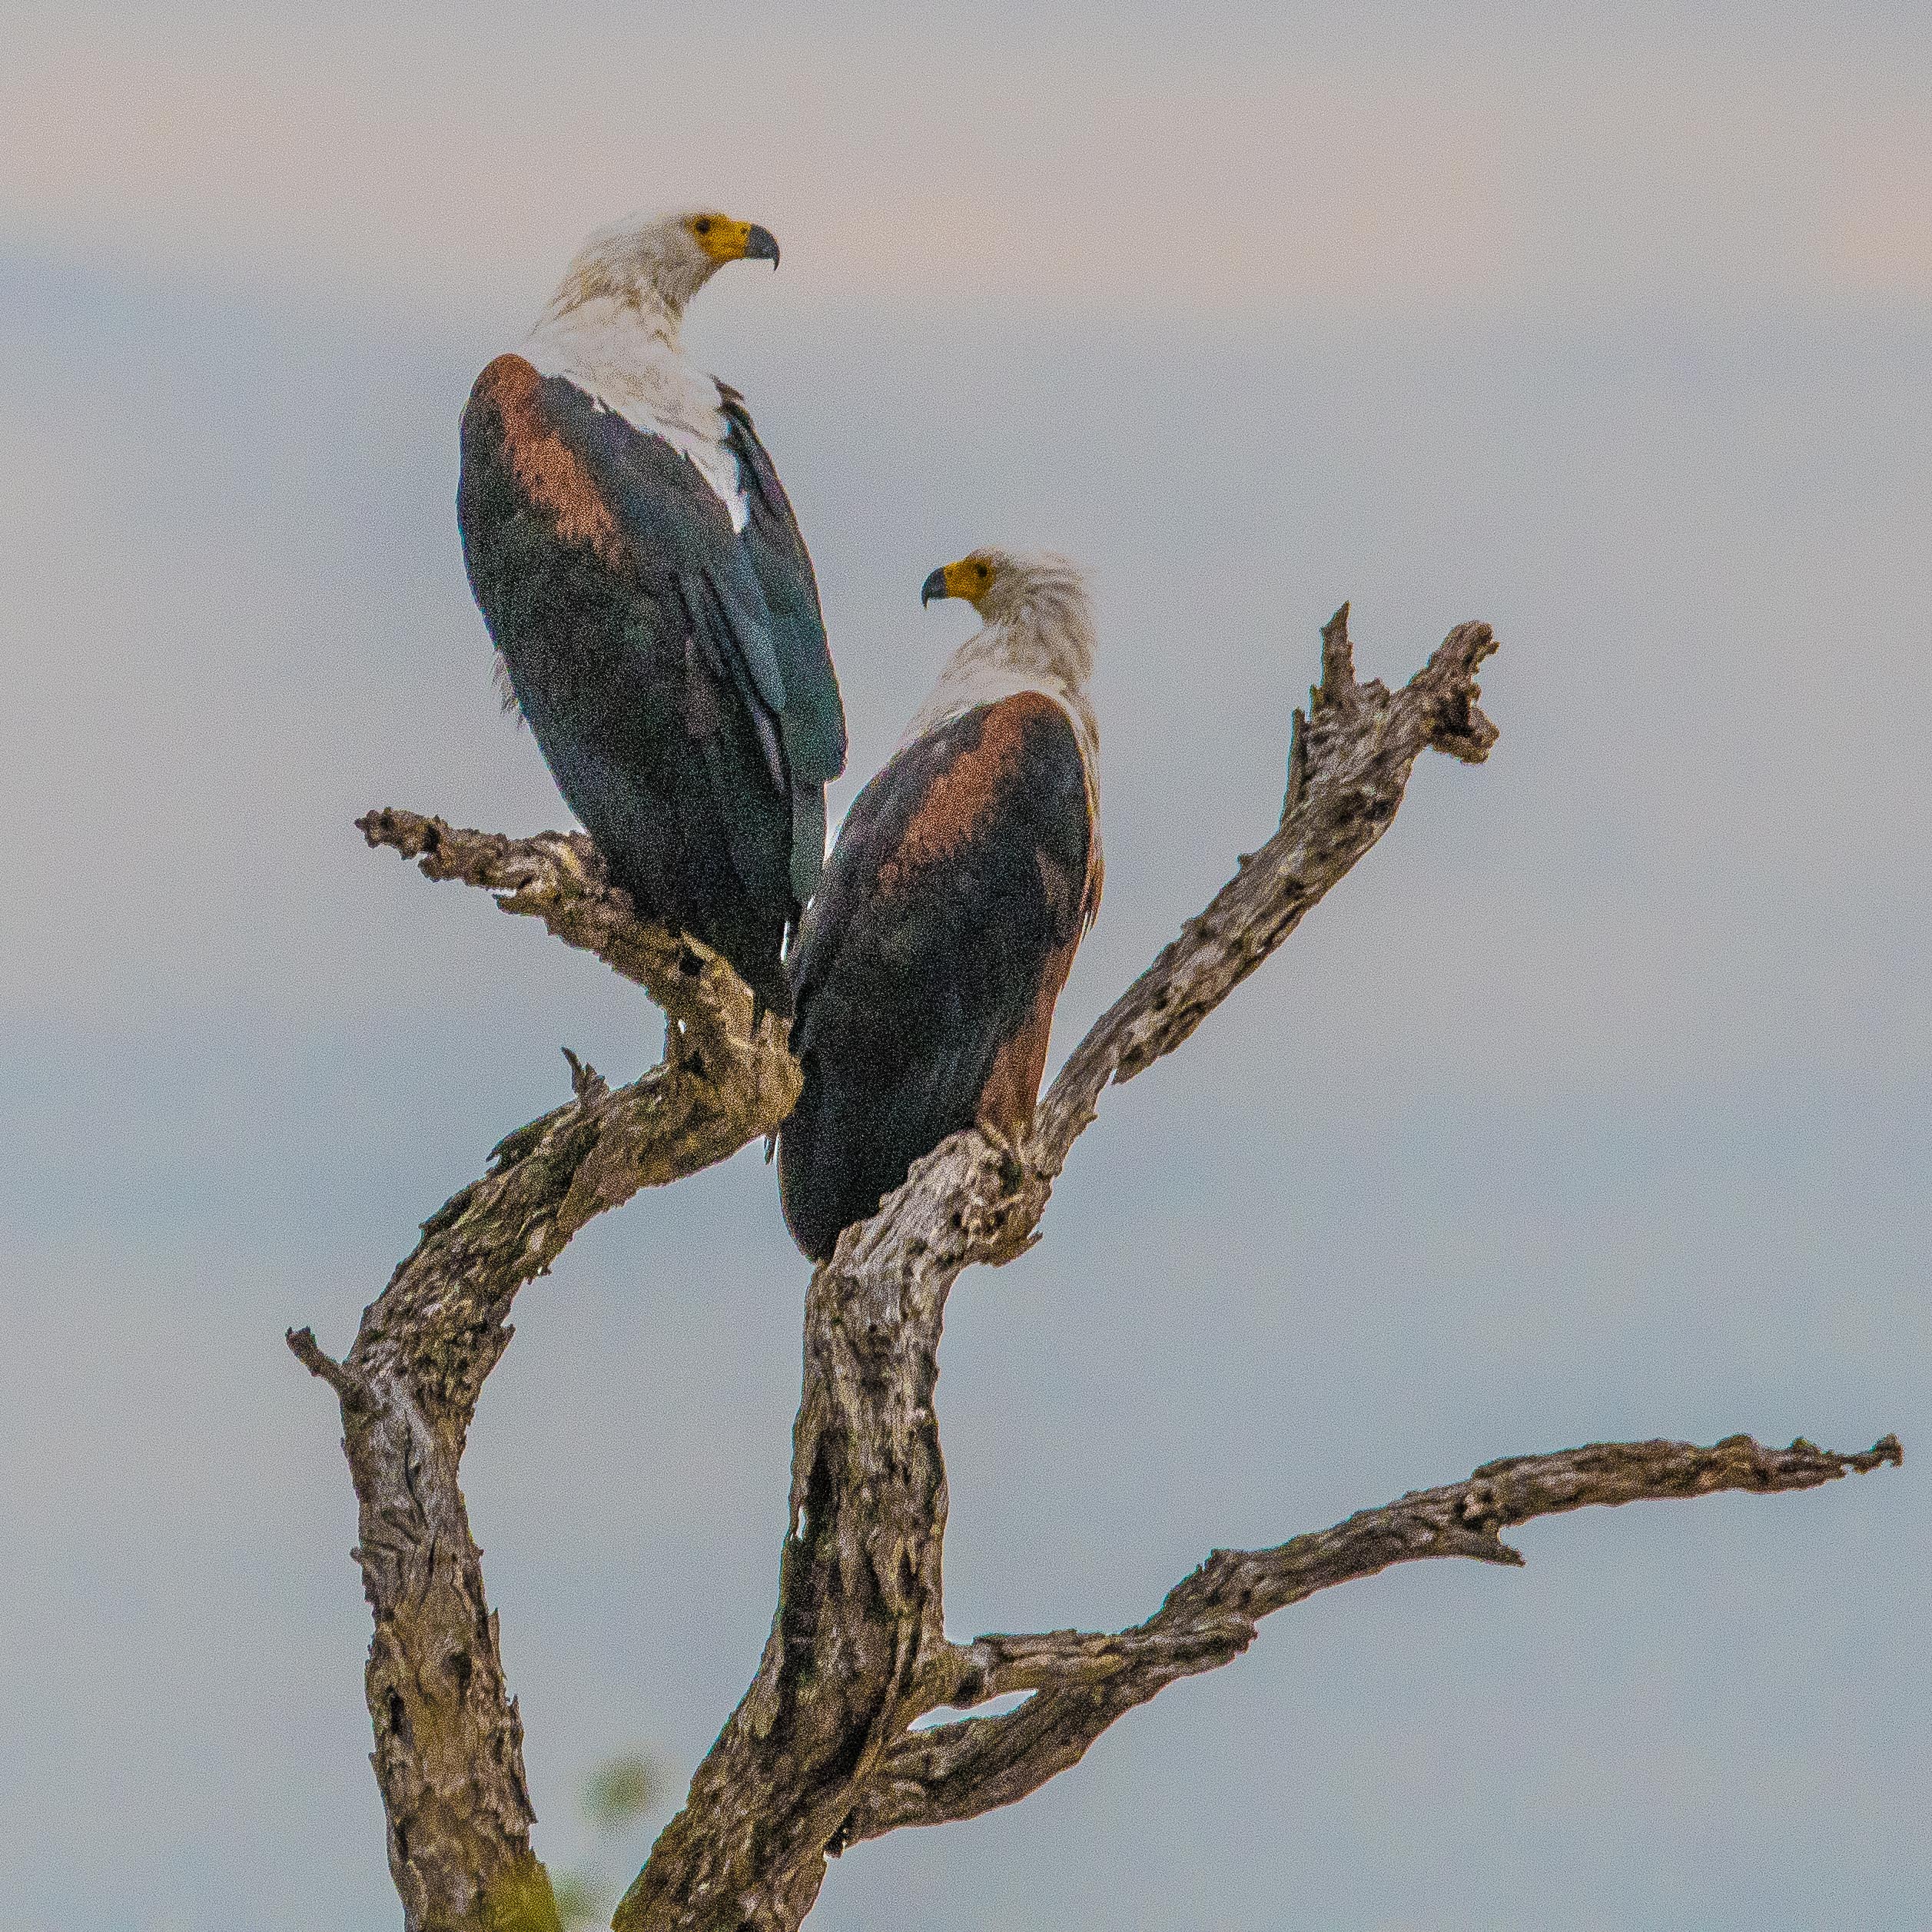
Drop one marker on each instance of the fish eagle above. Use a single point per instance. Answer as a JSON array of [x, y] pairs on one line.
[[655, 613], [925, 972]]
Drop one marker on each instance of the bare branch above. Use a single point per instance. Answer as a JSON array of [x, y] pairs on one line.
[[858, 1648], [819, 1752], [351, 1390], [449, 1741], [559, 877], [1349, 762], [1082, 1682]]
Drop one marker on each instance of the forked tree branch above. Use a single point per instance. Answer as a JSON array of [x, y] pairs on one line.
[[449, 1752], [820, 1752], [1082, 1682], [1349, 760], [858, 1649]]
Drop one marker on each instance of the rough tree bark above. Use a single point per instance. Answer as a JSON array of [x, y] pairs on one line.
[[449, 1753], [820, 1753]]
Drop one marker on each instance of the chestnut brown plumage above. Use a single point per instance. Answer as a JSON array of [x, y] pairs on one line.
[[927, 970]]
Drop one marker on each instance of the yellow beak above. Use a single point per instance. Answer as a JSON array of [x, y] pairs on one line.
[[724, 240]]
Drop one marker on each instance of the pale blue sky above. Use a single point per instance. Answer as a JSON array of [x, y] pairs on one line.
[[1598, 1102]]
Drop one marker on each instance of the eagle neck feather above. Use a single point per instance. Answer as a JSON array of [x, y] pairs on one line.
[[1045, 646], [623, 352]]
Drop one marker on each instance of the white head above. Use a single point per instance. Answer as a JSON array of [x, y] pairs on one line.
[[654, 264], [1037, 634], [1035, 610]]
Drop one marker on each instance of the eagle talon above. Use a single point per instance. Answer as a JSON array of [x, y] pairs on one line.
[[1009, 1152]]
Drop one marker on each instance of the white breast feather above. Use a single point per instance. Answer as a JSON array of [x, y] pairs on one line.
[[649, 384]]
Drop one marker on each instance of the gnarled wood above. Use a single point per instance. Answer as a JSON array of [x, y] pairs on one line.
[[449, 1741], [820, 1751], [1349, 760], [858, 1648], [1082, 1682]]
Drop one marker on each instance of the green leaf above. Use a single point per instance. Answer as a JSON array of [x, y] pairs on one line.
[[621, 1791]]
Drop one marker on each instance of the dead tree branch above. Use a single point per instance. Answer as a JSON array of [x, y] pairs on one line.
[[858, 1648], [1082, 1682], [1349, 760], [820, 1752], [449, 1753]]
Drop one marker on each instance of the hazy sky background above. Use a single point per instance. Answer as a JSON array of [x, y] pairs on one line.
[[1595, 1103]]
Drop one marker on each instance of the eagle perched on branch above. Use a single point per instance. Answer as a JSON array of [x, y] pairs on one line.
[[965, 874], [651, 600]]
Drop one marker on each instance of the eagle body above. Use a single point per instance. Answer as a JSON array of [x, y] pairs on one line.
[[927, 970], [654, 609]]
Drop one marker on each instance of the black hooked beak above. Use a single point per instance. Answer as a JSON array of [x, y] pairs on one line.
[[934, 586], [760, 245]]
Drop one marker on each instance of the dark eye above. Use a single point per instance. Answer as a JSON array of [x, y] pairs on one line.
[[703, 225]]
